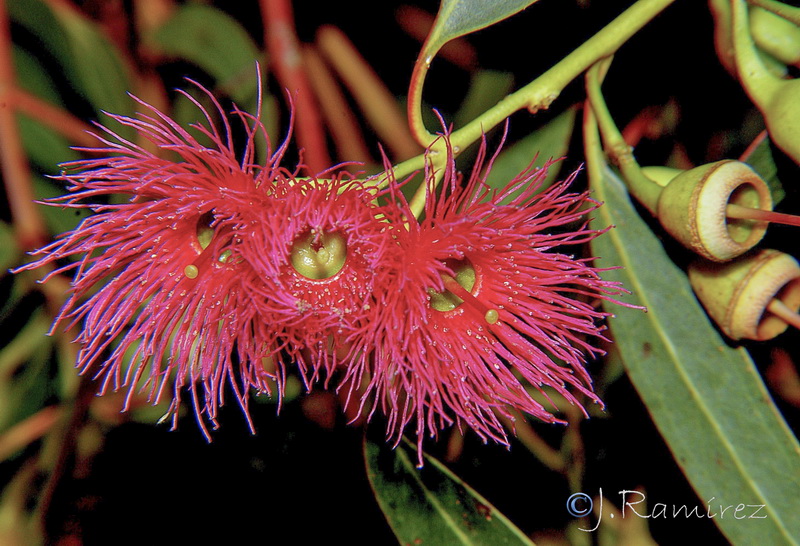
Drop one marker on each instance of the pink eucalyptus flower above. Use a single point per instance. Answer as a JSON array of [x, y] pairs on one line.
[[161, 283], [324, 247], [484, 303]]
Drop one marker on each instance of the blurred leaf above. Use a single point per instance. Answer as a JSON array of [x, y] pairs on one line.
[[24, 376], [459, 17], [89, 60], [707, 399], [549, 142], [38, 19], [486, 89], [58, 219], [33, 78], [217, 43], [760, 158], [44, 147], [431, 505], [9, 251]]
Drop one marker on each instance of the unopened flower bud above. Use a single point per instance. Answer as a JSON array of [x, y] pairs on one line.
[[775, 35], [776, 98], [740, 296], [723, 42], [693, 207]]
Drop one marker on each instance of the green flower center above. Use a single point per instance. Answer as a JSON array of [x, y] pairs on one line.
[[458, 291], [464, 276], [318, 255]]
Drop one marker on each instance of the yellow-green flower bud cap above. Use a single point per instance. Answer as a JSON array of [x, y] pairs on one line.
[[781, 114], [736, 294], [692, 208], [775, 35]]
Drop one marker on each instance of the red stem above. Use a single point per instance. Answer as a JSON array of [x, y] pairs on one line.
[[284, 51]]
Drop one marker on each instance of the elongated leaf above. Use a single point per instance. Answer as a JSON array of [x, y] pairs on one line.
[[215, 42], [486, 88], [706, 398], [431, 505], [58, 219], [549, 142], [760, 158], [459, 17], [24, 377], [9, 251], [98, 67]]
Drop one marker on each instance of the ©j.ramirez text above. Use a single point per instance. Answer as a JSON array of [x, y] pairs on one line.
[[632, 503]]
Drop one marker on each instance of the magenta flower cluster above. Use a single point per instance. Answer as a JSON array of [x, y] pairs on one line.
[[217, 271]]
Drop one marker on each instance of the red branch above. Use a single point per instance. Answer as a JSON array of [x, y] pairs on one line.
[[284, 52]]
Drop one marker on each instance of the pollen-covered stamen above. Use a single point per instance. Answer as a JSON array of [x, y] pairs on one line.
[[319, 255], [459, 291]]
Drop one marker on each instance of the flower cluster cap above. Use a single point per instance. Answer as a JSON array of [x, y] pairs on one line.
[[217, 272]]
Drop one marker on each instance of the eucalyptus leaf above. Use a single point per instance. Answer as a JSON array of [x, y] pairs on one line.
[[549, 142], [9, 250], [760, 158], [706, 398], [459, 17], [24, 372], [38, 19], [486, 88], [431, 505], [33, 78], [59, 219], [95, 65], [217, 43]]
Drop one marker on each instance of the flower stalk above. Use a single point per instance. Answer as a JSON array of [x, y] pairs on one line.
[[535, 96]]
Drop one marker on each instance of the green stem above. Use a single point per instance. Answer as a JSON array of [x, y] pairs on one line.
[[542, 91], [645, 190], [790, 13], [538, 94]]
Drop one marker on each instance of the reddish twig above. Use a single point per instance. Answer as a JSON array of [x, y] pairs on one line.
[[54, 117], [284, 51], [342, 124], [379, 105]]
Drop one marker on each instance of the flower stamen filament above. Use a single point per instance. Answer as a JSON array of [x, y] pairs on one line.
[[784, 312], [747, 213]]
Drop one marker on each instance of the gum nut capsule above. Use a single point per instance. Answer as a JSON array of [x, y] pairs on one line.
[[736, 294], [692, 208]]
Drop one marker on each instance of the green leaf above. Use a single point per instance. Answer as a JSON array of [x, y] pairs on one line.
[[33, 78], [99, 68], [44, 147], [431, 505], [24, 372], [9, 251], [549, 142], [487, 88], [459, 17], [38, 19], [58, 219], [89, 60], [760, 158], [706, 398], [217, 43]]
